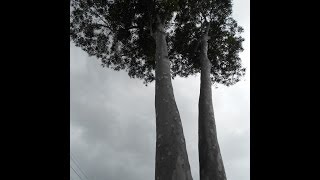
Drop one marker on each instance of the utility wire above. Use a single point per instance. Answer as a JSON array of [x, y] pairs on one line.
[[77, 164], [76, 172]]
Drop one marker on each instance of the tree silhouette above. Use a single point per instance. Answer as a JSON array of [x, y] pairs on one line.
[[207, 40], [132, 35]]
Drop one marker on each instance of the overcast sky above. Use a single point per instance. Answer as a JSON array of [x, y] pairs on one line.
[[112, 118]]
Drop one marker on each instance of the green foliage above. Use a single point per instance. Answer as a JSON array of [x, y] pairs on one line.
[[223, 47], [119, 32]]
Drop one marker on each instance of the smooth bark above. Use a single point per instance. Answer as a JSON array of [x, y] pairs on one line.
[[171, 156], [211, 165]]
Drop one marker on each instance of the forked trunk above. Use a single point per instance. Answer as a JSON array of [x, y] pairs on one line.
[[171, 155], [211, 165]]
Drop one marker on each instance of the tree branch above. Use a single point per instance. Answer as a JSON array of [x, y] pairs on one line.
[[204, 16], [211, 13], [132, 27], [208, 27], [104, 21], [150, 23]]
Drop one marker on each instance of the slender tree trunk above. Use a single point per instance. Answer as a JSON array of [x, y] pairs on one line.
[[171, 155], [211, 165]]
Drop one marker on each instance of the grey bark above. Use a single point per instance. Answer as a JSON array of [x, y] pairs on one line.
[[211, 164], [171, 155]]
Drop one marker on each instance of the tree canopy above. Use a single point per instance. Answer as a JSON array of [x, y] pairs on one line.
[[119, 33], [224, 45]]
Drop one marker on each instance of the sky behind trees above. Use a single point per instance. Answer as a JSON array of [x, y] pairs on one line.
[[112, 117]]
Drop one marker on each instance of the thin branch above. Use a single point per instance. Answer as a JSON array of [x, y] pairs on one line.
[[150, 23], [158, 19], [132, 27], [107, 24], [208, 27], [97, 24], [211, 13], [203, 16], [96, 8]]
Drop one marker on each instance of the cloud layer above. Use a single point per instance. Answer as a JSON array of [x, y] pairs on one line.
[[113, 118]]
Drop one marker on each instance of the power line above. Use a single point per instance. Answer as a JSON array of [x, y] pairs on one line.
[[76, 172], [74, 161]]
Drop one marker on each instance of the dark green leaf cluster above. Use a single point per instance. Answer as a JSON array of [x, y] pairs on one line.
[[119, 32], [223, 47]]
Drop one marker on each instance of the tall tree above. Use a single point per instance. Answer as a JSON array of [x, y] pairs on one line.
[[132, 35], [207, 40]]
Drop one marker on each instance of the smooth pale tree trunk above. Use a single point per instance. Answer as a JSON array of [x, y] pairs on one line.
[[171, 155], [211, 165]]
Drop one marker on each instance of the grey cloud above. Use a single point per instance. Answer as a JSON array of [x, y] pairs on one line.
[[113, 118], [117, 128]]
